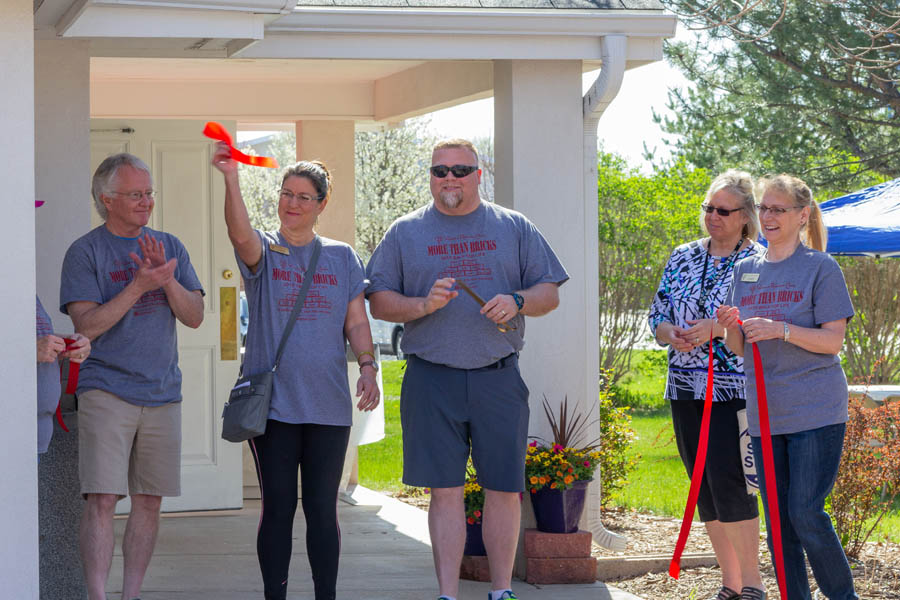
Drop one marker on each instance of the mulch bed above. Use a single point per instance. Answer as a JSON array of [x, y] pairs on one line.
[[877, 573]]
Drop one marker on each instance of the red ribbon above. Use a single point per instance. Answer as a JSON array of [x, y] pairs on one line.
[[768, 467], [71, 382], [217, 132], [699, 465]]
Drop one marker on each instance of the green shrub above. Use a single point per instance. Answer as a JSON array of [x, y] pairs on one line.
[[616, 437], [868, 479]]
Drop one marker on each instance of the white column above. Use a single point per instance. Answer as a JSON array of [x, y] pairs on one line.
[[62, 151], [18, 427], [538, 152], [538, 147], [332, 142]]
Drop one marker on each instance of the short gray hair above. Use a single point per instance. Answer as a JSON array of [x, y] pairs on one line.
[[739, 183], [106, 173]]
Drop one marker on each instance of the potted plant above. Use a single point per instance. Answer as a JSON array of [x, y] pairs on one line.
[[557, 473], [473, 498]]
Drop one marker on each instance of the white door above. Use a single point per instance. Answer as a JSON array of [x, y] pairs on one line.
[[189, 206]]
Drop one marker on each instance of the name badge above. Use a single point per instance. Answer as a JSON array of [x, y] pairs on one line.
[[750, 277], [282, 250]]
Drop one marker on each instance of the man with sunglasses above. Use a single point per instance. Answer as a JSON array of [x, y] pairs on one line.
[[462, 391], [124, 285]]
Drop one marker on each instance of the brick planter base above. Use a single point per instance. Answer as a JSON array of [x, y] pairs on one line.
[[475, 568], [559, 557]]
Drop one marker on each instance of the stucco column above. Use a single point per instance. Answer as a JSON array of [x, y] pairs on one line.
[[18, 427], [538, 151], [62, 154], [332, 142], [62, 157]]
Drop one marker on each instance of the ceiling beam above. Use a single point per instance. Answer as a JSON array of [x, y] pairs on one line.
[[431, 86], [258, 102]]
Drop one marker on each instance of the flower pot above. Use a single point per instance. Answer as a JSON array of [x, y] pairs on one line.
[[558, 511], [474, 542]]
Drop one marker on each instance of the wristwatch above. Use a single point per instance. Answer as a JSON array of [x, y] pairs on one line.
[[373, 363], [520, 301], [787, 332]]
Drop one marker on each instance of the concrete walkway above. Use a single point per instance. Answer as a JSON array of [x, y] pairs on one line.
[[386, 555]]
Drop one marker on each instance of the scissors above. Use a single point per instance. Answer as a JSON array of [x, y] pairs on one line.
[[501, 327]]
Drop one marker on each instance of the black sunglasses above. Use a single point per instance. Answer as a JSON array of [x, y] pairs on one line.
[[722, 212], [459, 171]]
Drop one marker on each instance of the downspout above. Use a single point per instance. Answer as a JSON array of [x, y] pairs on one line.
[[595, 101]]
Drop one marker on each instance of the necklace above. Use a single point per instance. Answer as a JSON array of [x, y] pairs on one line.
[[704, 289]]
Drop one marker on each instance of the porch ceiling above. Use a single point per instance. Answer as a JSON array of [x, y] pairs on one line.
[[245, 70]]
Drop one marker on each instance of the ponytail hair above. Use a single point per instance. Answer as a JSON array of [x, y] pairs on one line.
[[813, 233], [816, 232]]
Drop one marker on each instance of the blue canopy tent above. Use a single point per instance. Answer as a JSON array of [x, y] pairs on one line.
[[866, 222]]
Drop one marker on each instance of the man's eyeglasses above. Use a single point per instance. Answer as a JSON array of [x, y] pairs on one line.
[[459, 171], [302, 198], [136, 196], [722, 212], [775, 210]]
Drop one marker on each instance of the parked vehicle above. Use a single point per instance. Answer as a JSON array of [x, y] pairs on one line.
[[386, 335], [244, 319]]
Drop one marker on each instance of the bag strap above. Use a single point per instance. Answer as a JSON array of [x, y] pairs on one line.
[[301, 298]]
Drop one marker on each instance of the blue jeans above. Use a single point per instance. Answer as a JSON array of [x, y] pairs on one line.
[[806, 464]]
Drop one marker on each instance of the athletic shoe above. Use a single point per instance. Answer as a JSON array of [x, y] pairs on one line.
[[507, 595], [752, 593]]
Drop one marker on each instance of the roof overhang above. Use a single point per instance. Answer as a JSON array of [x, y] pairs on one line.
[[393, 62], [273, 29]]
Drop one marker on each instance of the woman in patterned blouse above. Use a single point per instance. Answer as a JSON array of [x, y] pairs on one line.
[[695, 282]]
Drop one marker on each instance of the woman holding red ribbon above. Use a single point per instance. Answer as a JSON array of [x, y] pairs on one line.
[[695, 282], [51, 349], [310, 413], [795, 307]]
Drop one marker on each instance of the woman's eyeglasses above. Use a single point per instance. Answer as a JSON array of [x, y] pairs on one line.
[[302, 198], [459, 171], [722, 212], [775, 210]]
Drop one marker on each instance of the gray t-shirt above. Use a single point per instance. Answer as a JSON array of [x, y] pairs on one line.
[[137, 358], [805, 390], [48, 387], [492, 249], [310, 384]]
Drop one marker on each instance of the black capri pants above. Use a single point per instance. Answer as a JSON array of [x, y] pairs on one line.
[[723, 492]]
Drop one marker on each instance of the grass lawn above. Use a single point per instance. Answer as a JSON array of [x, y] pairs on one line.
[[381, 464], [659, 484]]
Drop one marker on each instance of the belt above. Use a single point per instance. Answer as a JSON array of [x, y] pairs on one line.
[[507, 361]]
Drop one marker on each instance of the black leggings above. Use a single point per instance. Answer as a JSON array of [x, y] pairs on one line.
[[319, 452]]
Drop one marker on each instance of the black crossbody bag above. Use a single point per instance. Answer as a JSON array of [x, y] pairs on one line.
[[247, 410]]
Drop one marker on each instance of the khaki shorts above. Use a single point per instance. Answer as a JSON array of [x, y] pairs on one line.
[[127, 449]]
